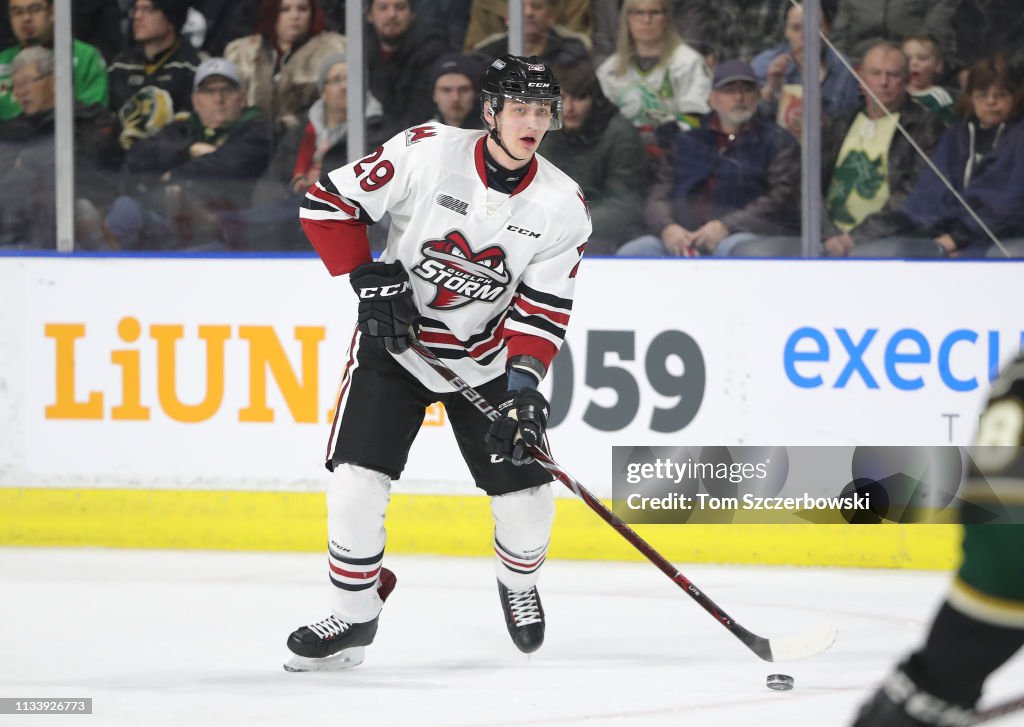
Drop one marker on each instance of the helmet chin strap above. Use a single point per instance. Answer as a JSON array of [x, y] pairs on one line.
[[497, 138]]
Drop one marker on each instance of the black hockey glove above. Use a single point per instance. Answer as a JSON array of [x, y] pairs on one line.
[[386, 308], [525, 417]]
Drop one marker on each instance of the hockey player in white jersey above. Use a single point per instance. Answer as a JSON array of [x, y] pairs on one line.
[[485, 242]]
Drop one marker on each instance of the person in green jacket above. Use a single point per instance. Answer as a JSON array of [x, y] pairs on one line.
[[32, 23]]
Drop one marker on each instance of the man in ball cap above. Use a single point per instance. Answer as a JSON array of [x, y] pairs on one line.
[[456, 88], [151, 82], [195, 168], [730, 180]]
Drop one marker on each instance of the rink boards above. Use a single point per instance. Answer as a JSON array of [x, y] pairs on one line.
[[186, 403]]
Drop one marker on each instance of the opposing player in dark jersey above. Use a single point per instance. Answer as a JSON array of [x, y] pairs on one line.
[[485, 242], [981, 623]]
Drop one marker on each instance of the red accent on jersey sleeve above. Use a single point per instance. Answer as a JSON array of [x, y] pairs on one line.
[[520, 344], [332, 199], [341, 244], [536, 310]]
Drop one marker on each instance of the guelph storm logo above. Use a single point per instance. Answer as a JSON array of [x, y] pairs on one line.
[[461, 275]]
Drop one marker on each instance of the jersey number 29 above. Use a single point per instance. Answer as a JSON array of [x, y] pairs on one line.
[[379, 175]]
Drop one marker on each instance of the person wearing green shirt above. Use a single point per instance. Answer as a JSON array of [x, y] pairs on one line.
[[32, 23]]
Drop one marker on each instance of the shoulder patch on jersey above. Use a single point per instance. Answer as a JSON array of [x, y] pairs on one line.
[[459, 275], [419, 133]]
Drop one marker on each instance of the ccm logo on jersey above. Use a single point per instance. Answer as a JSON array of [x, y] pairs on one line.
[[461, 275], [384, 291], [522, 231]]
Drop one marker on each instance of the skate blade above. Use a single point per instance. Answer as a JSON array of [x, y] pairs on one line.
[[345, 659]]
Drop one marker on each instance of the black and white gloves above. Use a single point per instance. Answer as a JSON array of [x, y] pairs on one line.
[[522, 425], [386, 307]]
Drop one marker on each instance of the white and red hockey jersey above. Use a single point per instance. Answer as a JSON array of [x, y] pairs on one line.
[[492, 273]]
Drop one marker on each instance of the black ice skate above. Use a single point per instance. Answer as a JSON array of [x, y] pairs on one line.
[[333, 644], [524, 617]]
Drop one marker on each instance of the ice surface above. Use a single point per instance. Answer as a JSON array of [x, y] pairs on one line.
[[194, 638]]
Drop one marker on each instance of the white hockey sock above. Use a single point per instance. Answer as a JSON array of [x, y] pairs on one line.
[[356, 501], [522, 529]]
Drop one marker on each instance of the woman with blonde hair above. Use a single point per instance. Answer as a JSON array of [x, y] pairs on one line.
[[653, 76], [281, 61]]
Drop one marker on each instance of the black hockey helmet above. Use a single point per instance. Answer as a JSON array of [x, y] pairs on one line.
[[524, 79]]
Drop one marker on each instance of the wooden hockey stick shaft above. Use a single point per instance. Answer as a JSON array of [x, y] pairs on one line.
[[767, 649]]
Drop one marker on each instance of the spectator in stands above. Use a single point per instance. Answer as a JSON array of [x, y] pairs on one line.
[[195, 169], [226, 20], [981, 157], [280, 62], [27, 159], [926, 66], [32, 22], [400, 53], [555, 46], [984, 28], [735, 177], [603, 154], [860, 23], [303, 155], [151, 82], [868, 166], [457, 91], [780, 72], [654, 77]]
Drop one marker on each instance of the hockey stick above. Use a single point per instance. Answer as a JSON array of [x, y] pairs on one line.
[[776, 649], [999, 710]]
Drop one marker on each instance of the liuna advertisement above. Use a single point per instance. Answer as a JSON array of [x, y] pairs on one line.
[[224, 373]]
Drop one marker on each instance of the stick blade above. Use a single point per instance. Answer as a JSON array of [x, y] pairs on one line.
[[801, 646]]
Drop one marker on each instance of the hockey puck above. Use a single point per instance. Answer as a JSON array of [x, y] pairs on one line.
[[780, 682]]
